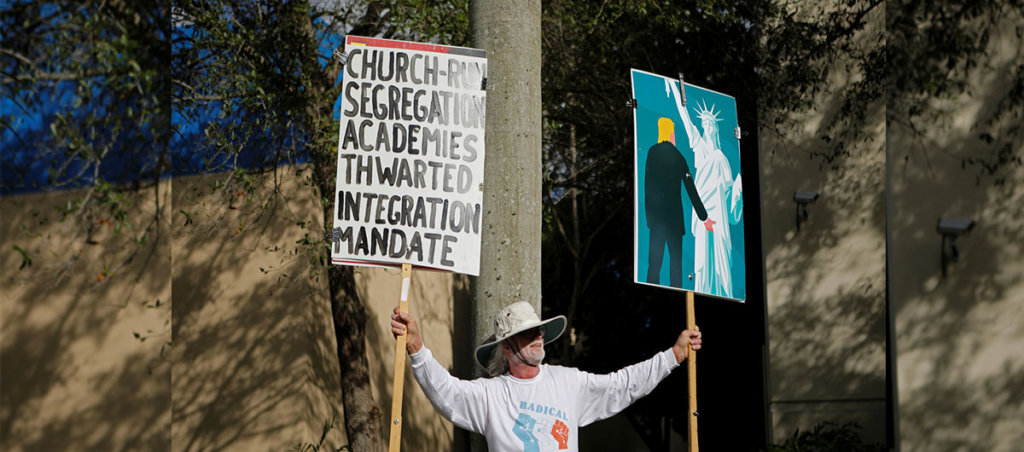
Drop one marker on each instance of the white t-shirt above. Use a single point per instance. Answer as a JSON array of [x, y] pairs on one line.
[[543, 413]]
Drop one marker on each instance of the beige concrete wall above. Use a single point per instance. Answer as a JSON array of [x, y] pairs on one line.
[[825, 284], [74, 374], [252, 365], [255, 366], [431, 302], [960, 339]]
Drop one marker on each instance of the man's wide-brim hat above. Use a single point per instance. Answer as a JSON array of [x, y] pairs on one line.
[[514, 319]]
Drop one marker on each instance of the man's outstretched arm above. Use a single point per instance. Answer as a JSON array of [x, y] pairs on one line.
[[603, 396], [460, 401]]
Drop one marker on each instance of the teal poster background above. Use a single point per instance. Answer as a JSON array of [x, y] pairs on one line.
[[720, 270]]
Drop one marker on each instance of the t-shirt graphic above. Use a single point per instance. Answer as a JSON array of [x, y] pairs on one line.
[[541, 427], [561, 433], [524, 430]]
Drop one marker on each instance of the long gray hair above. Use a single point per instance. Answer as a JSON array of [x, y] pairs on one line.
[[498, 365]]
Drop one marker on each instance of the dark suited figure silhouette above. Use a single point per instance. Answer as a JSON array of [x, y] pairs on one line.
[[666, 172]]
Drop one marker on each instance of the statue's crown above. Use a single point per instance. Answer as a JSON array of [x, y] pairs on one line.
[[704, 113]]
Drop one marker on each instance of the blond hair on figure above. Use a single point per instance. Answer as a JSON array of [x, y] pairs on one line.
[[666, 128]]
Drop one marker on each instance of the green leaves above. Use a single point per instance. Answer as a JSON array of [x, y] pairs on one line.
[[188, 218], [828, 436], [26, 261], [933, 51], [84, 75]]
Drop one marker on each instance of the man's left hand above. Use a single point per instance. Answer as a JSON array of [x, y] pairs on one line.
[[709, 224], [687, 340]]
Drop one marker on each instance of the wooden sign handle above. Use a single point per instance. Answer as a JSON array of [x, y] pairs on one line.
[[691, 374], [398, 384]]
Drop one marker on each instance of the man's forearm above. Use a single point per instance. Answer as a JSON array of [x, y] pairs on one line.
[[680, 353]]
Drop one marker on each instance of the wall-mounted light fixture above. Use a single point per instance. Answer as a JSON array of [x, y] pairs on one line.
[[951, 229], [802, 199]]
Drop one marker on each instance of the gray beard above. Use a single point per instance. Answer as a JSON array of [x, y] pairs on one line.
[[534, 357]]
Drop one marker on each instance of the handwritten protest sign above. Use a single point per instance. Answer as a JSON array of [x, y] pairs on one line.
[[410, 156]]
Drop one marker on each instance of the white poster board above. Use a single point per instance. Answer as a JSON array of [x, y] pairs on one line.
[[410, 175]]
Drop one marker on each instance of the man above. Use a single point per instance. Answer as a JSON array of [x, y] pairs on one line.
[[526, 405], [666, 169], [722, 196]]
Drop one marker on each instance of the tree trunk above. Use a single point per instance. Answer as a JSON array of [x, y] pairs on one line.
[[362, 415], [510, 258]]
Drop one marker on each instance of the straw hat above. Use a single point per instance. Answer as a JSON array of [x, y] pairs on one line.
[[514, 319]]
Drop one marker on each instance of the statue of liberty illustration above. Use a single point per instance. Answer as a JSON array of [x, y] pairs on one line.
[[722, 196]]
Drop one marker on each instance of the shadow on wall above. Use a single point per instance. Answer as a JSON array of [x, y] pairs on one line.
[[433, 432], [960, 339], [810, 367], [84, 335], [255, 363], [431, 304], [970, 414], [827, 312], [826, 283], [378, 339]]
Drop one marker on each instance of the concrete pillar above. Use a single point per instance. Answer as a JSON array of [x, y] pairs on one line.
[[510, 258]]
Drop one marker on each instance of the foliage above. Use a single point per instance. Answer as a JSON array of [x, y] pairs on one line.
[[803, 45], [933, 51], [253, 85], [589, 49], [253, 88], [245, 78], [86, 85], [440, 21], [828, 437]]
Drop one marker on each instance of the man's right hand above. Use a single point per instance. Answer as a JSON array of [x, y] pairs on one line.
[[402, 323], [689, 339]]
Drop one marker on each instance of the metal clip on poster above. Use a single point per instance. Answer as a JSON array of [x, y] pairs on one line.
[[398, 384], [342, 57], [691, 374], [631, 103], [682, 90], [739, 133]]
